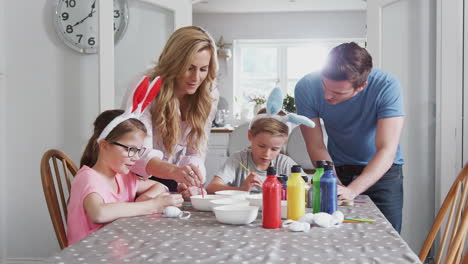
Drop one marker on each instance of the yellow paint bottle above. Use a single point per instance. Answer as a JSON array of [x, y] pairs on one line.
[[296, 194]]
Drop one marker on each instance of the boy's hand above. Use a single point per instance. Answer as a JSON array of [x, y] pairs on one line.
[[165, 199], [252, 181], [186, 192]]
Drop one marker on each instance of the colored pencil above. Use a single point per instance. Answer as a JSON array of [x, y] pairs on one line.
[[245, 168], [360, 220]]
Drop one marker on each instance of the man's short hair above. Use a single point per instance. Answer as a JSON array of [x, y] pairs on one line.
[[348, 62]]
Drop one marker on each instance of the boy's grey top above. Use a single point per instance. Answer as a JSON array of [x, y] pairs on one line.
[[234, 175]]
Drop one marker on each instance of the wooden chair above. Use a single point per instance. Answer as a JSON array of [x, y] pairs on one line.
[[456, 224], [53, 181]]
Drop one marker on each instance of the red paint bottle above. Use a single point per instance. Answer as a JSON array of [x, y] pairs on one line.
[[271, 189]]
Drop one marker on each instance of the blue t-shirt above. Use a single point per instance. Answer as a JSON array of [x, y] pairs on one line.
[[351, 125]]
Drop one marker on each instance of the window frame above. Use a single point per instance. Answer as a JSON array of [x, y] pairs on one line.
[[282, 45]]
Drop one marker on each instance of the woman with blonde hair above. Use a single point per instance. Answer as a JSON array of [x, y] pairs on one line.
[[180, 116]]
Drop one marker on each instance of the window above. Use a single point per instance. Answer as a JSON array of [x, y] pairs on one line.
[[261, 65]]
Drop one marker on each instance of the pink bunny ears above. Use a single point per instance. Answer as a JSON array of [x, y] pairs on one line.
[[143, 94]]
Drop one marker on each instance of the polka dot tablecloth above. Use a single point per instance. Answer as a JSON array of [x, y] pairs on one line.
[[202, 239]]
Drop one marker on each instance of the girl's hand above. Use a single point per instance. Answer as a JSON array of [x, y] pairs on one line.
[[189, 191], [165, 199], [252, 181]]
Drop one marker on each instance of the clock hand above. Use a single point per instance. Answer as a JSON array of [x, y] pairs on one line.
[[89, 15], [82, 20]]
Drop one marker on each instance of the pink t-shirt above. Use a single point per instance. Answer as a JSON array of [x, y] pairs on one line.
[[88, 181]]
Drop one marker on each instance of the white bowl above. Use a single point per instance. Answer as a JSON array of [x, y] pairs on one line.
[[203, 203], [237, 194], [236, 214], [256, 200], [228, 201]]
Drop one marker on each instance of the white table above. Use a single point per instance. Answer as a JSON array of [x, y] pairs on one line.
[[201, 239]]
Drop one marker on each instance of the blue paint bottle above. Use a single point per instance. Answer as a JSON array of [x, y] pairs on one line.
[[328, 190]]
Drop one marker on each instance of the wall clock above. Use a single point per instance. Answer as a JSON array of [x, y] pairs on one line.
[[76, 23]]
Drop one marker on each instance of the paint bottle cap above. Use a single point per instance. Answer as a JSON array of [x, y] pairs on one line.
[[296, 168], [271, 171], [320, 163]]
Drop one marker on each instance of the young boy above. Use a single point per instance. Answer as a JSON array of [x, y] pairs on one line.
[[267, 137]]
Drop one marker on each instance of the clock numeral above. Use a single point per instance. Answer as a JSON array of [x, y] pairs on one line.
[[69, 29], [116, 13], [91, 41], [70, 3], [80, 36], [65, 16]]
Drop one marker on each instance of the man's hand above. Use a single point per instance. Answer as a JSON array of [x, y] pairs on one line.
[[346, 193], [251, 181]]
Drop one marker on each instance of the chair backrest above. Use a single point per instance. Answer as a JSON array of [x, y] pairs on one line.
[[238, 140], [297, 150], [55, 191], [456, 223]]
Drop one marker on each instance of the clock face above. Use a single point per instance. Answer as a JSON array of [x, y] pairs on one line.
[[76, 22]]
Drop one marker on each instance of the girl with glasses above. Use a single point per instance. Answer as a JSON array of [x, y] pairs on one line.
[[104, 189]]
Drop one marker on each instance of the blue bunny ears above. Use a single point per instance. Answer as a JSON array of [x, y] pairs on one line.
[[274, 105]]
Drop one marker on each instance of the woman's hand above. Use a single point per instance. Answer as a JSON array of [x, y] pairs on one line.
[[186, 192], [165, 199], [252, 181], [190, 175]]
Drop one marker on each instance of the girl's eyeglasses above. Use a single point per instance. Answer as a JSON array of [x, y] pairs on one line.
[[132, 150]]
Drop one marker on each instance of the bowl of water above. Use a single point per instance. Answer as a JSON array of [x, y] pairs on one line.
[[202, 202], [235, 193], [235, 214], [228, 201], [256, 200]]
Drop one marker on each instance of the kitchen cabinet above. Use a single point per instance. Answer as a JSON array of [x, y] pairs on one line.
[[217, 152]]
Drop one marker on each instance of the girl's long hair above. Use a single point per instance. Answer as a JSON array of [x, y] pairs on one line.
[[175, 60], [91, 152]]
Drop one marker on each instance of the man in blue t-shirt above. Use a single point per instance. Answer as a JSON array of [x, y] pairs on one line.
[[362, 110]]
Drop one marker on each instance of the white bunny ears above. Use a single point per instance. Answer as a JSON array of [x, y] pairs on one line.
[[274, 105], [143, 94]]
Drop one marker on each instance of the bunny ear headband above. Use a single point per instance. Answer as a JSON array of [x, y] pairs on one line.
[[274, 105], [143, 94]]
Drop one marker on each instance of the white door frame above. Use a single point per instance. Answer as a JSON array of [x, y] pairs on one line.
[[182, 17], [3, 125], [465, 83], [449, 78], [449, 93], [374, 30]]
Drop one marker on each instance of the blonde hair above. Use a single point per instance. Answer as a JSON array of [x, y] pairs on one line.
[[174, 60], [269, 125]]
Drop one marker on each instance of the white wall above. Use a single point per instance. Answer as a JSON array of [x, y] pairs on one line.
[[51, 99], [51, 102], [299, 25], [417, 70], [144, 43], [3, 95]]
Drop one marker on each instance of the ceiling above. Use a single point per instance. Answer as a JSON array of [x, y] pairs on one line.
[[255, 6]]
